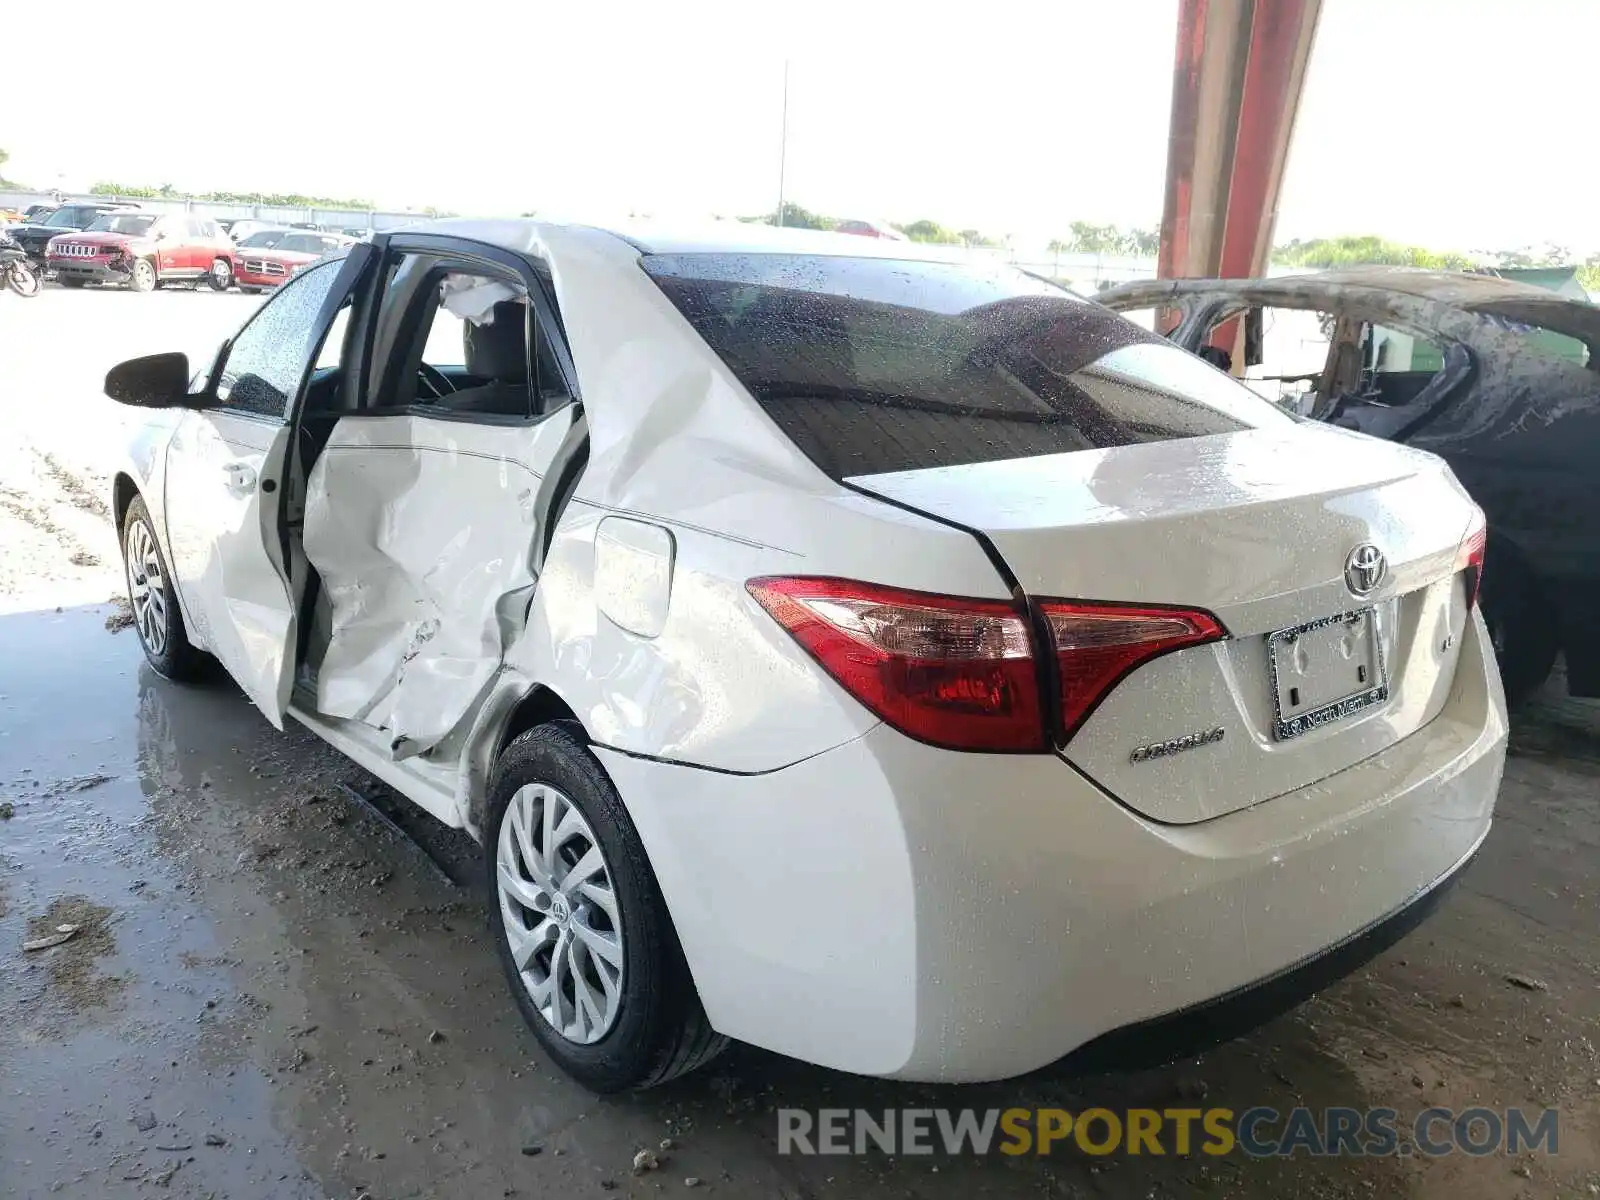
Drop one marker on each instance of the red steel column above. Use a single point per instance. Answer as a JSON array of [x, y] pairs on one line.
[[1237, 77]]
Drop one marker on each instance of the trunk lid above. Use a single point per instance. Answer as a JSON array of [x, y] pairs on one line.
[[1256, 528]]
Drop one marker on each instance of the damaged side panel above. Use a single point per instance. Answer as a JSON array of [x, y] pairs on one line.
[[423, 533]]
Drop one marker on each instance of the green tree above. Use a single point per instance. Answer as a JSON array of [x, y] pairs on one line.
[[104, 188], [1352, 250], [1589, 273], [796, 217], [1143, 243], [278, 199], [931, 232]]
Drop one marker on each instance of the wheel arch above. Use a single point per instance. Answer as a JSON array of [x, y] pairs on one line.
[[515, 707], [1503, 552], [540, 705], [123, 492], [1514, 590]]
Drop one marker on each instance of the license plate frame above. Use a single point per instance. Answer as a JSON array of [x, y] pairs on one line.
[[1321, 632]]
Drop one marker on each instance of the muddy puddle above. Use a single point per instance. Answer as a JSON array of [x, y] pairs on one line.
[[273, 992]]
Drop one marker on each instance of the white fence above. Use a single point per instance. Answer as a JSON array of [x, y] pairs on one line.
[[1085, 273], [339, 218]]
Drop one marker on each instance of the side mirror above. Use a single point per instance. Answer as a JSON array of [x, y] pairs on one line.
[[154, 381]]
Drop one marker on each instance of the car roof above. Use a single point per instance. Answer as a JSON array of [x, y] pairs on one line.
[[1490, 295], [1458, 288], [704, 237]]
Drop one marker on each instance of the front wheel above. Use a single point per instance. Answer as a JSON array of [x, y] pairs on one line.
[[22, 279], [581, 928], [220, 277], [154, 600], [143, 276]]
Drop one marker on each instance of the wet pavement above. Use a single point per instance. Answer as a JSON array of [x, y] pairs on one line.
[[272, 993]]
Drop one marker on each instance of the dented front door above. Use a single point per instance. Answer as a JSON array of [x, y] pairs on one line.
[[224, 486]]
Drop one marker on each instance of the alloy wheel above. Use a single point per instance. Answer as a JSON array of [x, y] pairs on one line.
[[560, 913], [147, 589]]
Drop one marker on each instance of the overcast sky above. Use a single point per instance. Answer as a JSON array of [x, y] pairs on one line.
[[1459, 124]]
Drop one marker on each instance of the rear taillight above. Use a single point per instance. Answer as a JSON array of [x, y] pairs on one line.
[[949, 671], [1096, 645], [1470, 558]]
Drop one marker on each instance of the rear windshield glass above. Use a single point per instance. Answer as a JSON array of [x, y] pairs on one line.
[[71, 218], [875, 365], [263, 239]]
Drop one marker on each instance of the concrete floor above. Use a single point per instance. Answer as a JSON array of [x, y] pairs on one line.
[[275, 995]]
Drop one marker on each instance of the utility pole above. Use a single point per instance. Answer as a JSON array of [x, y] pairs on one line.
[[783, 140]]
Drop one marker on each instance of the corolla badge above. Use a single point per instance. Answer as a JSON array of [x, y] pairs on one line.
[[1178, 745], [1364, 569]]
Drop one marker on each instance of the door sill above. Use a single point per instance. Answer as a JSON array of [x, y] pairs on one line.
[[429, 786]]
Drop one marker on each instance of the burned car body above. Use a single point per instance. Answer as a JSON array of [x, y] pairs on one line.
[[1498, 377]]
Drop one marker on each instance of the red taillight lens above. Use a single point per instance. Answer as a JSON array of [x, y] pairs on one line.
[[1097, 644], [1470, 558], [949, 671]]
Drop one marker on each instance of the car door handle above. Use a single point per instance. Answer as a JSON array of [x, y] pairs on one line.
[[240, 477]]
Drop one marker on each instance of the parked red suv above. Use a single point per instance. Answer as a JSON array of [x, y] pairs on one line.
[[144, 250]]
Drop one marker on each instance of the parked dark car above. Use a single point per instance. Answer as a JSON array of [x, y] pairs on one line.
[[73, 215], [1500, 378]]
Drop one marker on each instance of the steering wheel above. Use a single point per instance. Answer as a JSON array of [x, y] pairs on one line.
[[438, 383]]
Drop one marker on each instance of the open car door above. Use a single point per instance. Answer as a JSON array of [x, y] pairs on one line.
[[225, 482]]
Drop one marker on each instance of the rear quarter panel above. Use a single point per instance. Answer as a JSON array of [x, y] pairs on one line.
[[676, 442]]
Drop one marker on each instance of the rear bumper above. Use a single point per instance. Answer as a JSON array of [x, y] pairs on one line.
[[1193, 1030], [893, 909]]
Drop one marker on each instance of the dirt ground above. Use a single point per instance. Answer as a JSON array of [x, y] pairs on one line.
[[273, 993]]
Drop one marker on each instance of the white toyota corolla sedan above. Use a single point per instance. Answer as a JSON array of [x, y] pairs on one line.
[[897, 663]]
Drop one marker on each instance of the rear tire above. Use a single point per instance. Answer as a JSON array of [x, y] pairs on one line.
[[142, 278], [153, 597], [651, 1026], [1522, 626]]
